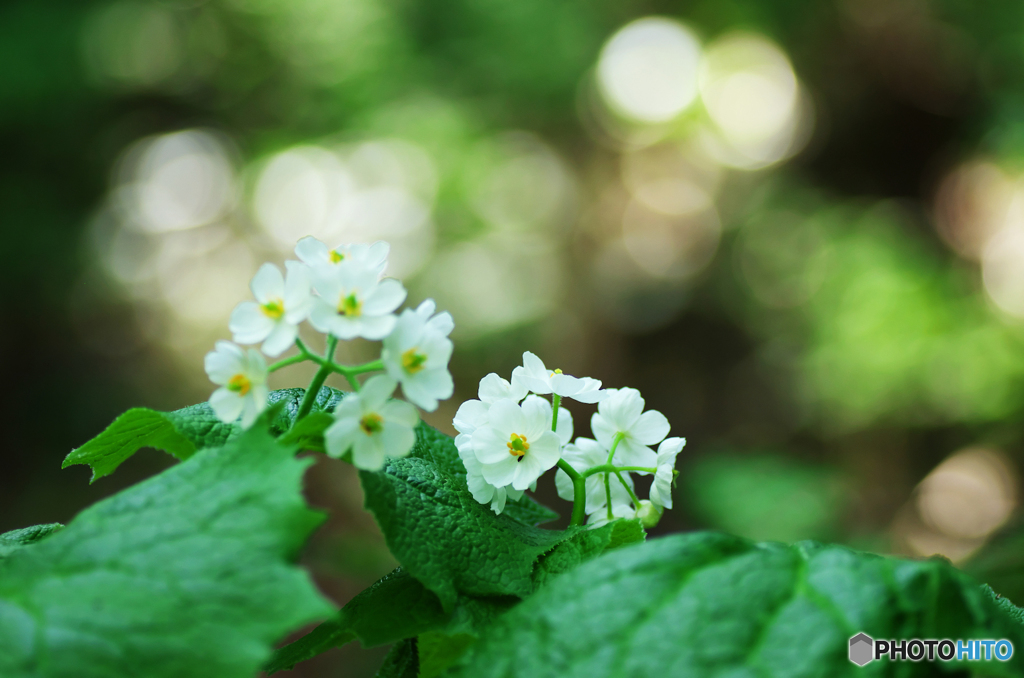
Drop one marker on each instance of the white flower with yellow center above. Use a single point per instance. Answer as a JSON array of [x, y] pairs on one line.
[[581, 455], [353, 303], [417, 352], [321, 258], [281, 304], [473, 413], [242, 377], [516, 445], [483, 491], [372, 425], [622, 415], [535, 377], [661, 489]]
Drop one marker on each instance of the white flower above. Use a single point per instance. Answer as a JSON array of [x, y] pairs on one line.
[[281, 304], [516, 445], [319, 257], [352, 303], [540, 407], [622, 413], [581, 455], [539, 379], [473, 413], [242, 377], [483, 491], [417, 352], [372, 425], [661, 489]]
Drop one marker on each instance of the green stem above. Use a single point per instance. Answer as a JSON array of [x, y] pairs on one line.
[[579, 492], [556, 400], [607, 476], [610, 468], [632, 495], [286, 362], [319, 378]]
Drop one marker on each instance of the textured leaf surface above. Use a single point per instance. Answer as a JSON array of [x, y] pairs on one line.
[[442, 536], [185, 574], [401, 662], [15, 539], [713, 605], [182, 432], [394, 608]]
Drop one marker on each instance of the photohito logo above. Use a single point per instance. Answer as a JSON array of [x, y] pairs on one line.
[[864, 648]]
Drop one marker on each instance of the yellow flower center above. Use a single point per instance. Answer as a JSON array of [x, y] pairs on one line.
[[371, 423], [239, 384], [517, 445], [273, 309], [350, 306], [412, 361], [336, 256], [556, 372]]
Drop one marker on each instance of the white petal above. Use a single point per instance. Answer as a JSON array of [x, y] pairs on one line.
[[494, 388], [281, 339], [401, 413], [442, 323], [565, 385], [502, 472], [537, 411], [490, 446], [397, 438], [481, 490], [375, 328], [268, 284], [591, 392], [545, 451], [603, 429], [312, 251], [498, 504], [322, 315], [298, 292], [622, 408], [522, 378], [252, 405], [563, 483], [384, 298], [631, 453], [650, 428], [534, 365], [427, 387], [470, 415], [506, 417], [249, 324], [339, 436], [669, 450], [376, 391], [564, 426], [227, 405], [368, 452], [224, 362]]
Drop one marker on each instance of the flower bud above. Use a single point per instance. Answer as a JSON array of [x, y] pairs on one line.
[[648, 513]]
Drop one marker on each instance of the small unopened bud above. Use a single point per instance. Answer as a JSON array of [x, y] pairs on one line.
[[648, 513]]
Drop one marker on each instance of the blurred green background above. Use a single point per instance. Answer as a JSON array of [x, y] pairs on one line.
[[796, 226]]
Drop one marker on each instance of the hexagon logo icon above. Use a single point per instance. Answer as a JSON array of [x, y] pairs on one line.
[[861, 649]]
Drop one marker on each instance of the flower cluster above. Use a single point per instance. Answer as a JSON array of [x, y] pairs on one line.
[[344, 294], [511, 435]]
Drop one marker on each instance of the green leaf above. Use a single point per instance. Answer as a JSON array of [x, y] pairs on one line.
[[188, 573], [708, 604], [442, 536], [15, 539], [437, 651], [626, 532], [394, 608], [572, 552], [182, 432], [401, 661]]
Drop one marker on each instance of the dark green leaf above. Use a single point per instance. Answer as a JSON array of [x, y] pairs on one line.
[[185, 574], [401, 661], [438, 651], [394, 608], [713, 605], [445, 538], [15, 539], [182, 432], [572, 552]]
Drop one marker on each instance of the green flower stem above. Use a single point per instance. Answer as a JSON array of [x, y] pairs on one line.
[[351, 372], [579, 492], [556, 400], [609, 468], [287, 361], [607, 476], [326, 368], [632, 495]]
